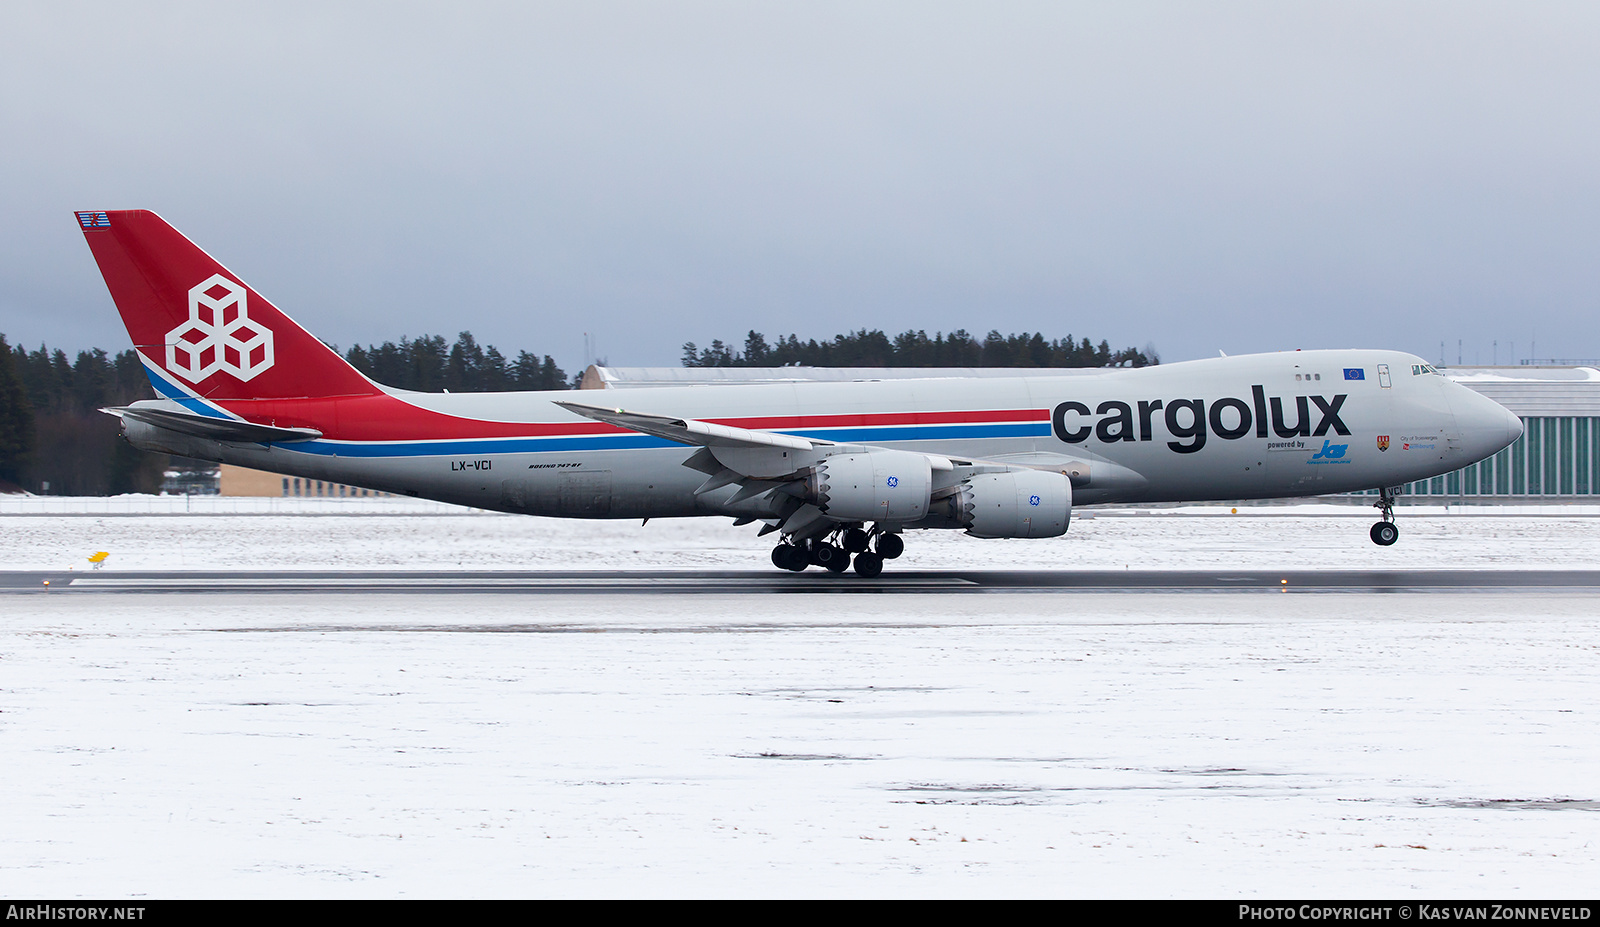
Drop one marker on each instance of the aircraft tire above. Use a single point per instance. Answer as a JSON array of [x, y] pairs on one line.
[[1384, 533], [833, 559], [868, 564], [855, 540], [890, 546], [790, 557]]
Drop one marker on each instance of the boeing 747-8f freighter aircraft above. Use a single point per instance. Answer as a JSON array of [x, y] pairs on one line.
[[838, 470]]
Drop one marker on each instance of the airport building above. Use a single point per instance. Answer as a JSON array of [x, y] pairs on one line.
[[242, 481], [1560, 445], [1554, 460]]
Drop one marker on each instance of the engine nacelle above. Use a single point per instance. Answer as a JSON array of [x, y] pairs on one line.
[[1020, 504], [890, 486]]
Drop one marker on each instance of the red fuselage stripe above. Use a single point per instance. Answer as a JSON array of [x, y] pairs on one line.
[[389, 418]]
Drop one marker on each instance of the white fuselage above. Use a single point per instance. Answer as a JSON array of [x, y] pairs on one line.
[[1257, 426]]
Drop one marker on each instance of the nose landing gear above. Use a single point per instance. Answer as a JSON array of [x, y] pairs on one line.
[[1385, 532]]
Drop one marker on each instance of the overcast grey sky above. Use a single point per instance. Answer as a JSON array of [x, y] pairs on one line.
[[1201, 176]]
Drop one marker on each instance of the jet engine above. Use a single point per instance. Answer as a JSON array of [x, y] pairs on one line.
[[891, 486], [1019, 504]]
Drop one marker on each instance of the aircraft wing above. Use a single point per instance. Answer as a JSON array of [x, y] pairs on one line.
[[690, 431], [761, 463], [738, 455], [215, 429], [784, 468]]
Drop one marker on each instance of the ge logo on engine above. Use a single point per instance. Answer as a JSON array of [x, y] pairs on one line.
[[1033, 500], [893, 481], [219, 335]]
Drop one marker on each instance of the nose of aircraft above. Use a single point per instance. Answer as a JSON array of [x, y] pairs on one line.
[[1486, 426], [1512, 425]]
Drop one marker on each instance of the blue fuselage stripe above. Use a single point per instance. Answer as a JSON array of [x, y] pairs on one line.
[[473, 447], [928, 432], [486, 446], [177, 394]]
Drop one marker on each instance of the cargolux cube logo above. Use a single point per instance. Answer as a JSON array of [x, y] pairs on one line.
[[219, 335]]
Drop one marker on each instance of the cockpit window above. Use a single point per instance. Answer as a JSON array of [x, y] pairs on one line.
[[1418, 370]]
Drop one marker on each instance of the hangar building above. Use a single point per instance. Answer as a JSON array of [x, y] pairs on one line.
[[1555, 457]]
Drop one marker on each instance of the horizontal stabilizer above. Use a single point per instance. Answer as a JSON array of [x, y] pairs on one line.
[[689, 431], [215, 429]]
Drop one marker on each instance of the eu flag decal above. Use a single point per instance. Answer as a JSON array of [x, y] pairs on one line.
[[1355, 373]]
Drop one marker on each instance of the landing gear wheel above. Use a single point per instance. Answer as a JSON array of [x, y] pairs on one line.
[[854, 540], [890, 546], [790, 557], [1385, 532], [868, 564], [833, 559]]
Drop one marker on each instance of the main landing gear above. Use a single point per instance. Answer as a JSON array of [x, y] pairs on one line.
[[833, 552], [1385, 532]]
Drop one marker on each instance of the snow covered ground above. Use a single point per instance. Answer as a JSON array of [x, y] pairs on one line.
[[915, 745], [152, 533]]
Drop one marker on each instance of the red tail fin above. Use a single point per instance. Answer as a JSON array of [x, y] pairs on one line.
[[202, 327]]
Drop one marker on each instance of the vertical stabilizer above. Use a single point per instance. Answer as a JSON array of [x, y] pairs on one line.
[[200, 330]]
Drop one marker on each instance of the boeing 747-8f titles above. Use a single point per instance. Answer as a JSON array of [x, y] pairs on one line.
[[838, 470]]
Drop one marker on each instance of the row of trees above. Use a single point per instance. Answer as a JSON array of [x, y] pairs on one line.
[[53, 438], [915, 349], [427, 364]]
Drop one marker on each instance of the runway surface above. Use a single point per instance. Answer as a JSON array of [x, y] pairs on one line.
[[718, 582], [470, 705]]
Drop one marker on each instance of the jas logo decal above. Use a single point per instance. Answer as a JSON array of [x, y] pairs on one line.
[[219, 335], [1383, 442], [1329, 453]]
